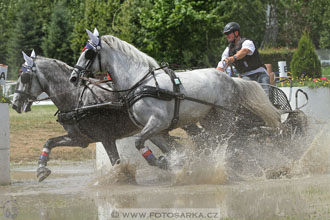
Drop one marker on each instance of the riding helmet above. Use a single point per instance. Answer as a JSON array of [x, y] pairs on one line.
[[231, 27]]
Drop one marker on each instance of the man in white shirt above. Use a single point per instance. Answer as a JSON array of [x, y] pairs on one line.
[[243, 54]]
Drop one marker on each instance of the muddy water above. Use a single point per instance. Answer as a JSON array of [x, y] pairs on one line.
[[238, 189], [74, 191]]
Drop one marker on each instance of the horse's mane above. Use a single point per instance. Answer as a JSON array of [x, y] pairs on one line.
[[64, 67], [129, 50]]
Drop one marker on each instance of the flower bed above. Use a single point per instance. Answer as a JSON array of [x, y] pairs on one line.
[[322, 82]]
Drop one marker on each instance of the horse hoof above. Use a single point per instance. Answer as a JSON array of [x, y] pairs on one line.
[[43, 173], [162, 163]]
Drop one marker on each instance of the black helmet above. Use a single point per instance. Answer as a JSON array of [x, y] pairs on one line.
[[231, 27]]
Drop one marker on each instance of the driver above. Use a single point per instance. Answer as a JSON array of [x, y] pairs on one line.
[[243, 54]]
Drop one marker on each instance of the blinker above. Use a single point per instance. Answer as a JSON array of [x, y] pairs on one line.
[[90, 54], [25, 77]]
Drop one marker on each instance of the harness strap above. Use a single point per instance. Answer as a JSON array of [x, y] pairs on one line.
[[176, 88], [97, 83]]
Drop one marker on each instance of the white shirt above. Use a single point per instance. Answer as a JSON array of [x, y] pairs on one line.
[[248, 44]]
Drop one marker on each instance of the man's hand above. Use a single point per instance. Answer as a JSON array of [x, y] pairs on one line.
[[229, 60]]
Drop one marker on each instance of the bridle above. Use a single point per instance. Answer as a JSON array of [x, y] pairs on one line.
[[92, 51], [27, 75]]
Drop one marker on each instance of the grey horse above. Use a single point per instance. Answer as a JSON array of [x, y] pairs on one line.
[[40, 74], [209, 88]]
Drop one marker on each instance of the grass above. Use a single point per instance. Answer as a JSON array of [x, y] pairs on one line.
[[30, 131], [39, 117], [326, 71]]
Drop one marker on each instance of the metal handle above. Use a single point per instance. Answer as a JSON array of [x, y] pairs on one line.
[[306, 96]]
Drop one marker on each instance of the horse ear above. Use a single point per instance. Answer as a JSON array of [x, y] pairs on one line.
[[28, 60], [92, 37], [96, 32], [33, 54]]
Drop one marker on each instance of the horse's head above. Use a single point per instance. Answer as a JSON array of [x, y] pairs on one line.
[[90, 59], [125, 63], [28, 86]]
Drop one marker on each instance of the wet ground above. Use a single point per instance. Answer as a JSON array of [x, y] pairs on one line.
[[75, 191], [233, 185]]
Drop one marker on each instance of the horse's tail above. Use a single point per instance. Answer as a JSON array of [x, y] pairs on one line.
[[254, 98]]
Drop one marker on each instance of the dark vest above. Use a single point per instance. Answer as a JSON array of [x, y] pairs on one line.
[[248, 63]]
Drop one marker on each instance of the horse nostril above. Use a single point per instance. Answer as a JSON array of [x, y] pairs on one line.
[[74, 77], [28, 107], [14, 106]]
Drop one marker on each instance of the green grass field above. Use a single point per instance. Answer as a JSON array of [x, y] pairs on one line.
[[41, 117], [30, 131], [326, 71]]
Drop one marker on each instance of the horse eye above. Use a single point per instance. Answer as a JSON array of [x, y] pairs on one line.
[[89, 54], [25, 77]]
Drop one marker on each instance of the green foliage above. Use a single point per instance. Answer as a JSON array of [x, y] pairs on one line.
[[96, 14], [326, 71], [183, 32], [305, 61], [56, 43], [325, 27], [25, 34], [22, 36], [273, 55], [4, 6]]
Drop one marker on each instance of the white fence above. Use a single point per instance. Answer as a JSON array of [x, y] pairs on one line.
[[4, 144], [318, 102]]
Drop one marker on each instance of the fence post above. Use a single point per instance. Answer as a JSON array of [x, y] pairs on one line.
[[4, 144]]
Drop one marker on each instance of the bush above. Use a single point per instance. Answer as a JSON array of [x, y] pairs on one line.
[[273, 55], [305, 62]]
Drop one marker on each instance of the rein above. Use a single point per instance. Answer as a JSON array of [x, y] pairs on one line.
[[124, 90]]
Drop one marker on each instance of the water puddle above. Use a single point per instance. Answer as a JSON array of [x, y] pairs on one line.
[[200, 190], [74, 191]]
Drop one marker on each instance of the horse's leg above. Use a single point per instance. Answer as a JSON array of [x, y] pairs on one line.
[[111, 149], [162, 142], [153, 126], [43, 172]]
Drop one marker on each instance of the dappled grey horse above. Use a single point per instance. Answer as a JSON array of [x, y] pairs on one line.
[[40, 74], [200, 90]]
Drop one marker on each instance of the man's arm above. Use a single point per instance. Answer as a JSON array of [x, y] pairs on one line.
[[221, 69], [239, 55], [225, 54]]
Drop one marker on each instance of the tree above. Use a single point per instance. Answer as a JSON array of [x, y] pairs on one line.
[[297, 16], [3, 27], [324, 31], [26, 35], [56, 43], [96, 14], [305, 61], [271, 32], [189, 32]]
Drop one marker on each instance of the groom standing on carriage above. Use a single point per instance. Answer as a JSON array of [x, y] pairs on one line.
[[243, 54]]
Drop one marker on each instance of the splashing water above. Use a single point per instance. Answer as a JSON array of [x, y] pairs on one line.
[[251, 159], [118, 174], [204, 168]]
